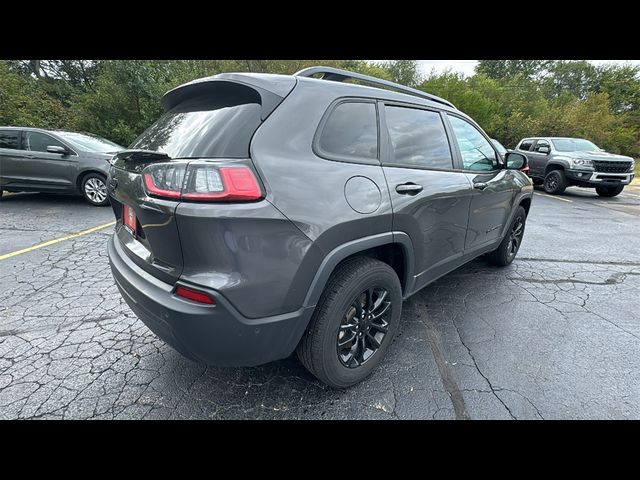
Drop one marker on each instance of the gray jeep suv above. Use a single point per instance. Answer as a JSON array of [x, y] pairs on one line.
[[55, 161], [557, 163], [263, 214]]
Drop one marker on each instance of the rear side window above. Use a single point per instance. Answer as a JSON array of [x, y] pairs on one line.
[[10, 139], [418, 138], [204, 127], [526, 145], [351, 131]]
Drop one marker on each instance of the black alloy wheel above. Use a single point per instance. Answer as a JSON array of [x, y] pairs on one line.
[[515, 237], [363, 327]]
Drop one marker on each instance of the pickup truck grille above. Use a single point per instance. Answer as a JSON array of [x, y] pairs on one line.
[[605, 166]]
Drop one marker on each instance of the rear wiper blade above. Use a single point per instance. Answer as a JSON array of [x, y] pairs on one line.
[[140, 156]]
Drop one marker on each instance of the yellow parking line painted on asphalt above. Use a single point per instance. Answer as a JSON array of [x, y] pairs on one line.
[[555, 198], [56, 240]]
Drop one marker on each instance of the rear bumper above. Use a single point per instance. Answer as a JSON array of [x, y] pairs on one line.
[[215, 335], [593, 179]]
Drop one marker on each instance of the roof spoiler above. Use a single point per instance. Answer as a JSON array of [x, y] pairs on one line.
[[234, 88]]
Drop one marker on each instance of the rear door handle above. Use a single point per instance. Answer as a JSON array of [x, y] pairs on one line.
[[408, 188], [480, 185]]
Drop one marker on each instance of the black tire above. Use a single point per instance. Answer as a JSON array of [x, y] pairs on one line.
[[89, 187], [609, 191], [555, 182], [505, 253], [319, 351]]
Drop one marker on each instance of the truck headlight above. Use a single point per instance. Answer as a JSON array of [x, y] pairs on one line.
[[581, 162]]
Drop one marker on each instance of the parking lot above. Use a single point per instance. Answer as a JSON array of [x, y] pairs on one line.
[[554, 335]]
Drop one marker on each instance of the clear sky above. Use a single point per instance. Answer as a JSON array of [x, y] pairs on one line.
[[466, 66]]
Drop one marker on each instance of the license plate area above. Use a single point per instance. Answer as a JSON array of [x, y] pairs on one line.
[[129, 219]]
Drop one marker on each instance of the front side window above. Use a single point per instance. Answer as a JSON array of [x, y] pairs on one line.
[[351, 131], [418, 138], [476, 151], [540, 144], [38, 142], [10, 139], [501, 149]]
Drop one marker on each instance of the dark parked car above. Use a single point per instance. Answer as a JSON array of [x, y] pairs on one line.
[[264, 214], [558, 163], [55, 161]]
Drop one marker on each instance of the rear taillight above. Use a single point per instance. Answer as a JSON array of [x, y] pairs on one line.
[[225, 183], [201, 181], [164, 179], [194, 295]]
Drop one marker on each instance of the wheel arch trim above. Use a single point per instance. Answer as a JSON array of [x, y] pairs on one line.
[[341, 252], [556, 165]]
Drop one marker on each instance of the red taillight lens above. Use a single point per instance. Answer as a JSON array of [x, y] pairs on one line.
[[201, 181], [194, 295], [221, 184], [153, 189], [164, 179]]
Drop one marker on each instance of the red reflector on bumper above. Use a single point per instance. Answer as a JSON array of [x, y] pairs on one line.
[[129, 218], [194, 295]]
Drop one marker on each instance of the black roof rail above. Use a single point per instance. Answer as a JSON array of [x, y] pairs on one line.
[[338, 75]]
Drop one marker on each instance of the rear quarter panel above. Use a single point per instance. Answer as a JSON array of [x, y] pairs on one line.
[[310, 190]]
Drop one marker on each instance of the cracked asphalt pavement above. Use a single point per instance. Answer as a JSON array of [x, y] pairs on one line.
[[554, 335]]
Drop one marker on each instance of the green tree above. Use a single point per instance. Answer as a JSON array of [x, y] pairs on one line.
[[404, 72], [571, 79], [499, 69], [125, 99], [24, 103], [622, 84]]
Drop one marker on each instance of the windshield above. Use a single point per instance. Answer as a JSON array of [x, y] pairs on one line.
[[499, 146], [90, 142], [574, 145]]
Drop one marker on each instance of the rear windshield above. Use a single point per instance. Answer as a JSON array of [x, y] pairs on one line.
[[200, 128]]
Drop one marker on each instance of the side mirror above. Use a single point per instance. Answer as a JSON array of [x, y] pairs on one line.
[[516, 161], [544, 150], [57, 149]]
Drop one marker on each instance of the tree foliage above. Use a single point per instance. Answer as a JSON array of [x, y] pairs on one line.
[[405, 72], [499, 69], [510, 99]]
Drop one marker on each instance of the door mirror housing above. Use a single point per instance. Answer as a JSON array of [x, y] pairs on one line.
[[57, 149], [516, 161], [544, 150]]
